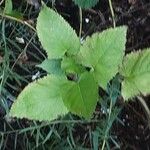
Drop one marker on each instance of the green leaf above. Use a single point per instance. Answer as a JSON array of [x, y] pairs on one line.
[[69, 65], [51, 66], [136, 72], [86, 3], [8, 11], [8, 7], [55, 34], [40, 100], [81, 97], [103, 52], [16, 15]]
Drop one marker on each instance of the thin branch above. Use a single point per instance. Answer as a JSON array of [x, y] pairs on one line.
[[112, 13], [80, 14], [146, 109], [18, 20]]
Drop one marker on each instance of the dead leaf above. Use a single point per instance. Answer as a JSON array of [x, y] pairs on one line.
[[132, 2], [35, 3]]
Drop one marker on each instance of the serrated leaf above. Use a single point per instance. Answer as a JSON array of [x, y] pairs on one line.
[[55, 34], [8, 7], [81, 97], [69, 65], [103, 52], [40, 100], [51, 66], [86, 3], [136, 72]]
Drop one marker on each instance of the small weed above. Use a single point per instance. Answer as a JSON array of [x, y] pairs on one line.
[[20, 52]]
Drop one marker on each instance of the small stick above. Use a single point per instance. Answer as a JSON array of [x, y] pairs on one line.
[[146, 109]]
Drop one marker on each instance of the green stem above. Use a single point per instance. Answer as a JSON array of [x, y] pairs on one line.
[[6, 57], [80, 14], [112, 13], [103, 146], [18, 20]]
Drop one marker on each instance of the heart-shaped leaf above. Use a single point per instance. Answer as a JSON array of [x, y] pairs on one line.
[[81, 97]]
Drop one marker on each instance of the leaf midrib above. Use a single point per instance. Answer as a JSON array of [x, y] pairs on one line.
[[84, 104], [137, 74]]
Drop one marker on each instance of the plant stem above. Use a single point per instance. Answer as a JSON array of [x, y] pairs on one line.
[[112, 13], [24, 51], [103, 146], [1, 2], [6, 56], [80, 14], [18, 20], [147, 111]]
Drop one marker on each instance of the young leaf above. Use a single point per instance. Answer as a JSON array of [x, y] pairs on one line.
[[51, 66], [69, 65], [8, 7], [81, 97], [16, 15], [8, 10], [55, 34], [136, 72], [86, 3], [40, 100], [103, 53]]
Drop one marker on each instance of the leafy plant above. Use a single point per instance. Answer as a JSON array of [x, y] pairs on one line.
[[76, 71]]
